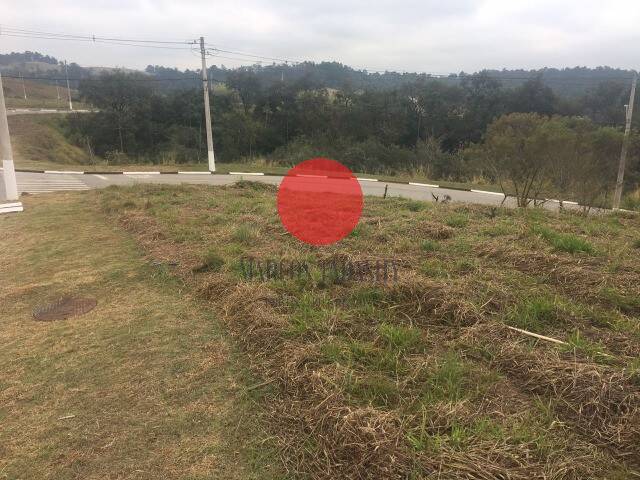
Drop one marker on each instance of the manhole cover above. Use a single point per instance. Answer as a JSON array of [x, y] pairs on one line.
[[64, 308]]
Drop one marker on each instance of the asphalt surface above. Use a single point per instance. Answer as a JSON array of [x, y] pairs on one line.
[[40, 111], [37, 183]]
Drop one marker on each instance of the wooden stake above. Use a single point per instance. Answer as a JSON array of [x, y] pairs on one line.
[[535, 335]]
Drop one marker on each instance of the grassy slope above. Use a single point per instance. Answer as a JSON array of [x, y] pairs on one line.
[[420, 377], [38, 143], [146, 375], [39, 95]]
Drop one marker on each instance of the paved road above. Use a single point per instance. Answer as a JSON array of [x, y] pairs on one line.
[[40, 111], [37, 183]]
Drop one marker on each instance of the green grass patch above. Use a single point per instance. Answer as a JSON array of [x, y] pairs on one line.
[[626, 303], [399, 337], [243, 235], [536, 314], [448, 381], [581, 344], [434, 268], [309, 312], [457, 220], [361, 355], [565, 242], [429, 245], [376, 390]]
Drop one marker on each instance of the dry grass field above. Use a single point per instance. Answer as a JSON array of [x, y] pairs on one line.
[[419, 376]]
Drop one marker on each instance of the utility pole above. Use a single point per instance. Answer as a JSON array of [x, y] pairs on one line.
[[617, 197], [58, 91], [66, 72], [6, 155], [207, 109], [24, 90]]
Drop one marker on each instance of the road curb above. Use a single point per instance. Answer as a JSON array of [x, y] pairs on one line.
[[255, 174], [11, 207]]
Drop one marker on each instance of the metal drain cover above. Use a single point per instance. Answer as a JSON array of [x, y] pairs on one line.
[[64, 308]]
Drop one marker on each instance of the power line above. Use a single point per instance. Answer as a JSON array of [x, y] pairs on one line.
[[214, 51], [98, 79], [4, 28], [106, 42]]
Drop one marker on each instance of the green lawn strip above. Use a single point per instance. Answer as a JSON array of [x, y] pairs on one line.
[[144, 386]]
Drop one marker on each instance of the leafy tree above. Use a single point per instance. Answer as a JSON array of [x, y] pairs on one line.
[[535, 97], [518, 148], [121, 97]]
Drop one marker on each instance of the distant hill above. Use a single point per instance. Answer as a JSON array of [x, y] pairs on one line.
[[567, 82], [26, 57]]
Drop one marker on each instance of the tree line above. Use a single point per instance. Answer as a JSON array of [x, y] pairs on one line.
[[427, 126]]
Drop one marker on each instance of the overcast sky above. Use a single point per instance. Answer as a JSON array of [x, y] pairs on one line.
[[439, 36]]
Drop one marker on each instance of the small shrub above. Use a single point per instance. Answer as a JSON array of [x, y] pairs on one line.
[[631, 201]]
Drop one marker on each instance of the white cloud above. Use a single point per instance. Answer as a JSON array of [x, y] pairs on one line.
[[422, 35]]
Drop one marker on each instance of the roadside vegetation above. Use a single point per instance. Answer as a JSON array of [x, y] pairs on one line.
[[524, 139], [527, 141], [420, 376]]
